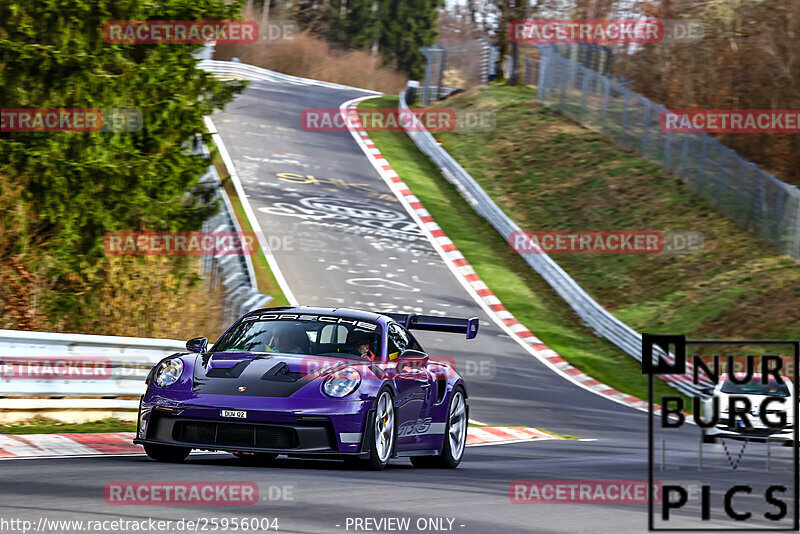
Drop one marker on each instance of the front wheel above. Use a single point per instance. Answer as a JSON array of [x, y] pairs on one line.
[[166, 453], [455, 437], [383, 432]]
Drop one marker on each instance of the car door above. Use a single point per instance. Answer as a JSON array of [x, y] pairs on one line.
[[412, 386]]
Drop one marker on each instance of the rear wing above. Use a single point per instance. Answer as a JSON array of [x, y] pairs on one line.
[[413, 321]]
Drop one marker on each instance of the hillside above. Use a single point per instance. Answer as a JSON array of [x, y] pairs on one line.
[[550, 173]]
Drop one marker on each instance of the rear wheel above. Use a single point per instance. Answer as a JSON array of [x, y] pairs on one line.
[[455, 437], [166, 453]]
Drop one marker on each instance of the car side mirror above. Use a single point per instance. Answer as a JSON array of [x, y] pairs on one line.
[[412, 359], [198, 344]]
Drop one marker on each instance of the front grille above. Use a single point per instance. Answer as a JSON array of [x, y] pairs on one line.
[[235, 434]]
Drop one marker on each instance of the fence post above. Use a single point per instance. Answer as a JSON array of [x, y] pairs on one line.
[[723, 156], [584, 90], [685, 154], [740, 185], [796, 251], [755, 216], [606, 95], [645, 126], [667, 147], [565, 78], [624, 116], [701, 172], [778, 217], [541, 82]]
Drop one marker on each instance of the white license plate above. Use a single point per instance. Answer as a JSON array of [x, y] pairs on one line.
[[238, 414]]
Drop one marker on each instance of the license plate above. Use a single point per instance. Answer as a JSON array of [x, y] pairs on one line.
[[238, 414]]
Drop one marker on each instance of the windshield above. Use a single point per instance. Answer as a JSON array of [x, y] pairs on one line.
[[303, 334], [755, 387]]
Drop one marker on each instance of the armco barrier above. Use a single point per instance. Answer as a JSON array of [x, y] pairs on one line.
[[595, 316], [234, 273], [130, 359], [249, 72]]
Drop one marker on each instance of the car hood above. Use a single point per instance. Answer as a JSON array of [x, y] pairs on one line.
[[260, 375]]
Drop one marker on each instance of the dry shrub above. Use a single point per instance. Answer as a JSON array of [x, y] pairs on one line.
[[149, 297], [20, 286], [310, 57]]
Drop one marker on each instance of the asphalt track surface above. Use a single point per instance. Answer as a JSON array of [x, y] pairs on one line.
[[340, 239]]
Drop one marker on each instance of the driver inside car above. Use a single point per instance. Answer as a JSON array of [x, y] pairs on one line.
[[360, 342]]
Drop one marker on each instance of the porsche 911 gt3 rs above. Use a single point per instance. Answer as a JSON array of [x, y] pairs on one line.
[[311, 382]]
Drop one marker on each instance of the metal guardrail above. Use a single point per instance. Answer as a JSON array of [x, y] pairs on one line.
[[250, 72], [234, 272], [603, 323], [121, 362]]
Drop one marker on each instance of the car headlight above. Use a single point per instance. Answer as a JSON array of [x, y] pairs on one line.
[[169, 372], [342, 383]]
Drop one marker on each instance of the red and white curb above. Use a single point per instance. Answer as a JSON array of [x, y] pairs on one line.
[[60, 445], [466, 274], [497, 435], [119, 443]]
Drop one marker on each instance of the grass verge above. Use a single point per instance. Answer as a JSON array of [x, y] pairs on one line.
[[43, 425], [266, 280]]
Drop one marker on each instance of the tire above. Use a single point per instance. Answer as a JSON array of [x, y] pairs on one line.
[[166, 453], [257, 459], [455, 436], [383, 431]]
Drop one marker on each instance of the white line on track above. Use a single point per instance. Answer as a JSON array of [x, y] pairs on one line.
[[249, 213]]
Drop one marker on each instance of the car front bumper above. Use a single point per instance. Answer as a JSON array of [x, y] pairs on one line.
[[753, 434], [268, 429]]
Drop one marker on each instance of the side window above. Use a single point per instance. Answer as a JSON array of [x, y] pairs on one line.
[[414, 344], [397, 340]]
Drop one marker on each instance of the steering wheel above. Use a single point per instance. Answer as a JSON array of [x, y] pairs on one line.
[[349, 350]]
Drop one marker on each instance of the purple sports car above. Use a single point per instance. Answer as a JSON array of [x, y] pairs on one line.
[[311, 382]]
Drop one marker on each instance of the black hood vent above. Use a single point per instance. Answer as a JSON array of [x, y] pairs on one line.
[[262, 376]]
